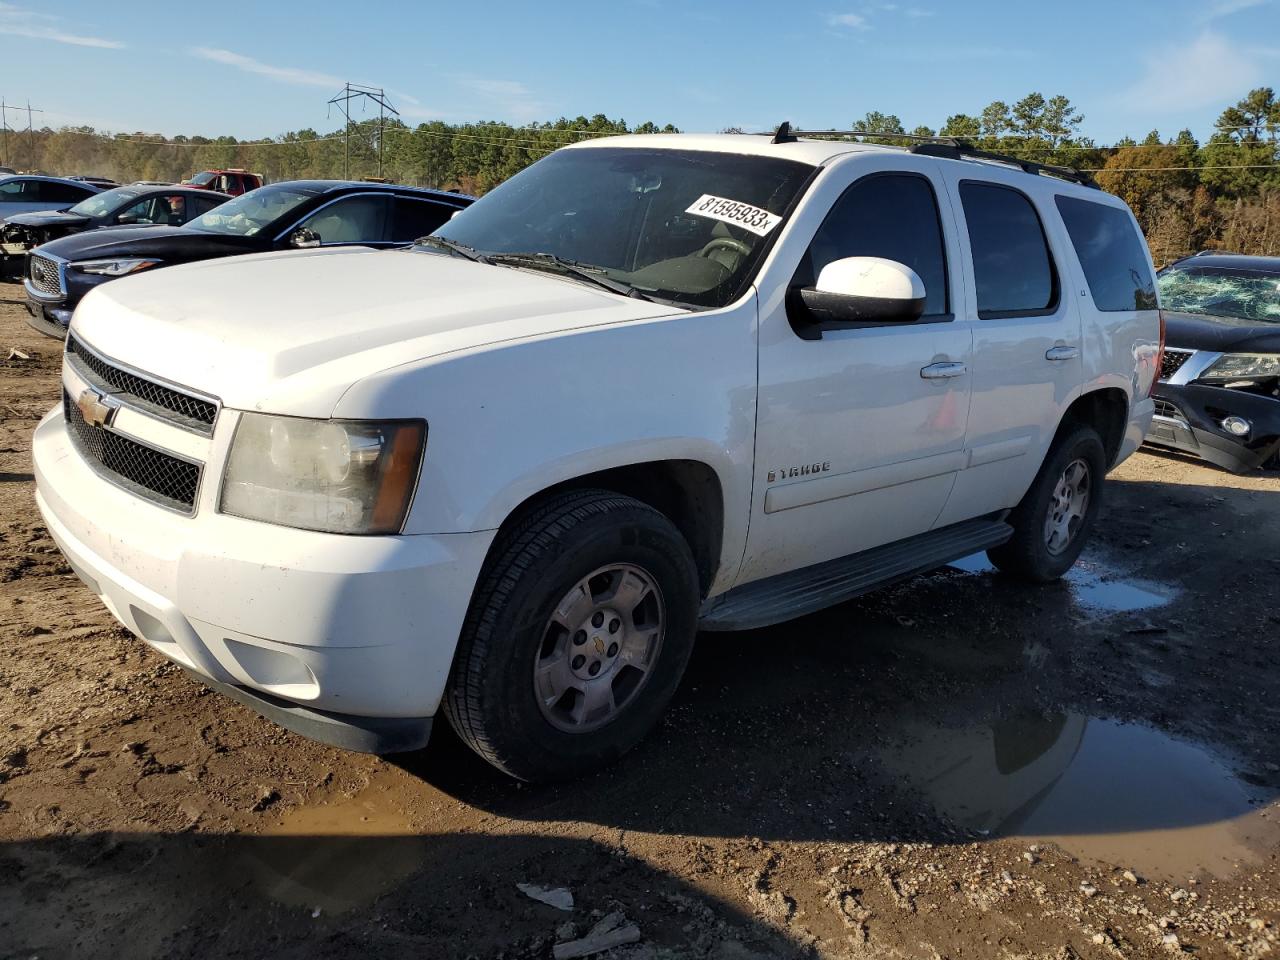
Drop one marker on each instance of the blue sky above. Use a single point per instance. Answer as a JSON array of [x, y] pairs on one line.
[[257, 69]]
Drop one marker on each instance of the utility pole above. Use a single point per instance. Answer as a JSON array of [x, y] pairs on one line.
[[31, 140], [356, 91], [4, 131]]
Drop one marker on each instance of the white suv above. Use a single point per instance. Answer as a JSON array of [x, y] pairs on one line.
[[650, 385]]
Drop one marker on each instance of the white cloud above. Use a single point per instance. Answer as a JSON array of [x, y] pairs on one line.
[[305, 78], [1225, 8], [17, 22], [513, 98], [849, 21], [1208, 70]]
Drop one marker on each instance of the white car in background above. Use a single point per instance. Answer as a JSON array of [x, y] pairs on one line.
[[649, 385]]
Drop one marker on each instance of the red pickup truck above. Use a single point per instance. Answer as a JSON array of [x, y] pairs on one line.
[[233, 181]]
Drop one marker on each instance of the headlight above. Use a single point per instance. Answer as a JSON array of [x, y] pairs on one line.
[[113, 268], [339, 476], [1243, 366]]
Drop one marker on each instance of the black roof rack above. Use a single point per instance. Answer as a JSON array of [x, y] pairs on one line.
[[950, 148]]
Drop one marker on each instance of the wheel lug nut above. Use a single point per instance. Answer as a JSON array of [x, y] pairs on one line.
[[614, 624], [580, 638], [594, 668], [597, 619], [578, 661], [613, 649]]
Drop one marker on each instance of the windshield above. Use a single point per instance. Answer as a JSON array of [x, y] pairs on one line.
[[101, 204], [1222, 292], [200, 179], [252, 212], [676, 224]]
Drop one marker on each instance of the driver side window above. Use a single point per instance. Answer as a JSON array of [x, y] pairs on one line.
[[889, 215], [352, 220]]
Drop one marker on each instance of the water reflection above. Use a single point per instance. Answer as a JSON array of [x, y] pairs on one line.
[[1097, 588], [1120, 793]]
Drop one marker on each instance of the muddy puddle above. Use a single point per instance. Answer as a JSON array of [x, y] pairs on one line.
[[338, 856], [1097, 588], [1122, 794]]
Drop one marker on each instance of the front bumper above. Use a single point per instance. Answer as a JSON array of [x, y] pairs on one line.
[[1189, 419], [348, 640]]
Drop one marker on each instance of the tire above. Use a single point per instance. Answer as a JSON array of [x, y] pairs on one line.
[[561, 565], [1032, 554]]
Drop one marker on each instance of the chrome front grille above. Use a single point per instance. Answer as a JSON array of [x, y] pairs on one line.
[[145, 471], [45, 276], [181, 407], [1172, 360]]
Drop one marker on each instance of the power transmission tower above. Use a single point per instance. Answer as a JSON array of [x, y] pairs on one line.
[[356, 91]]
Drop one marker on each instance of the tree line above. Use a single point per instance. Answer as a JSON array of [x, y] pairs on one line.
[[1188, 195]]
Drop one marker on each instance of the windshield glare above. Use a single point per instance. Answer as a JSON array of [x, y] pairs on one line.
[[200, 179], [689, 226], [252, 212], [1222, 292], [103, 203]]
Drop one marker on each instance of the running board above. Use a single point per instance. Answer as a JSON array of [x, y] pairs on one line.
[[790, 595]]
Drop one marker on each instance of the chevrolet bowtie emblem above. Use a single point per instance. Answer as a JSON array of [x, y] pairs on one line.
[[95, 408]]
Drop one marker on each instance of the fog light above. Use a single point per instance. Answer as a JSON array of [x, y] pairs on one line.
[[1236, 426]]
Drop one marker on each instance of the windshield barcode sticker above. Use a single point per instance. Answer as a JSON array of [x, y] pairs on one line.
[[756, 219]]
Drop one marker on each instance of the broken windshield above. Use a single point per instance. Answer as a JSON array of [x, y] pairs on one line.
[[1222, 292]]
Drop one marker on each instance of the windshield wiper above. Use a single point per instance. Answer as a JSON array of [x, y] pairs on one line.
[[453, 246], [583, 271]]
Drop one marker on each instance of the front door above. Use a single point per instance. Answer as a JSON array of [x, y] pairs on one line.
[[860, 431]]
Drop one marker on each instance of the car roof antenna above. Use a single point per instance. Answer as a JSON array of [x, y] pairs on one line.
[[783, 134]]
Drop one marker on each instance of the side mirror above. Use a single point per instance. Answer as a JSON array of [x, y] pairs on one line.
[[126, 219], [866, 289], [303, 238]]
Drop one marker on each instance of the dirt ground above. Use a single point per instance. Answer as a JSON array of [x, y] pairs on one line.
[[956, 767]]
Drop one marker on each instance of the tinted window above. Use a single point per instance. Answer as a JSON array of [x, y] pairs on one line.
[[417, 218], [1011, 264], [351, 220], [892, 216], [1111, 253], [48, 192]]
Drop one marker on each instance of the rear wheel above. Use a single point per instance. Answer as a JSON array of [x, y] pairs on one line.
[[1052, 523], [578, 635]]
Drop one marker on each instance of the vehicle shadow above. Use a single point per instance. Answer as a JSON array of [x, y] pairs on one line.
[[311, 897], [951, 706]]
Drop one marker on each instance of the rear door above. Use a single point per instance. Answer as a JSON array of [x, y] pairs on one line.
[[1026, 363], [857, 440]]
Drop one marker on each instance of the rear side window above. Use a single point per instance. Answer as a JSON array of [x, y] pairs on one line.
[[1111, 253], [894, 216], [1012, 267], [417, 218]]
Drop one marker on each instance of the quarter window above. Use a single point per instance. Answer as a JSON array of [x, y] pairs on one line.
[[894, 216], [1012, 267], [1111, 253]]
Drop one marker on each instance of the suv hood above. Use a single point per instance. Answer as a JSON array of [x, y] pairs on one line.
[[161, 242], [48, 218], [1193, 331], [289, 332]]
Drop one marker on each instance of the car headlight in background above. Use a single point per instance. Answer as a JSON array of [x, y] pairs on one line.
[[114, 268], [338, 476], [1243, 366]]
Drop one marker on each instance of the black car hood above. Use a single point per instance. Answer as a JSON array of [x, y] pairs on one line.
[[1193, 331], [164, 243], [49, 218]]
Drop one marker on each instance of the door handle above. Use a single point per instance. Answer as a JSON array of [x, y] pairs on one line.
[[1062, 352], [943, 371]]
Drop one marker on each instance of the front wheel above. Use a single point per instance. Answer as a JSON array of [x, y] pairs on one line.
[[578, 635], [1053, 521]]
